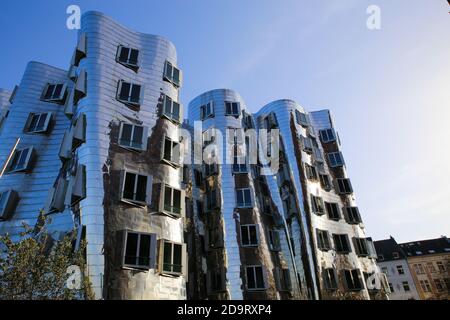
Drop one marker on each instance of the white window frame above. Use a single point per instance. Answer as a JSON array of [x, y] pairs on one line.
[[148, 188], [250, 244], [334, 208], [245, 204], [253, 267], [127, 63], [170, 114], [133, 126], [163, 242], [173, 145]]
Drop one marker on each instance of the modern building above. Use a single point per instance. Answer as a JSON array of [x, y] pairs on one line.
[[85, 146], [101, 151], [393, 263], [429, 262], [307, 205]]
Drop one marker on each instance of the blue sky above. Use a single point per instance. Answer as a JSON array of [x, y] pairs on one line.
[[388, 89]]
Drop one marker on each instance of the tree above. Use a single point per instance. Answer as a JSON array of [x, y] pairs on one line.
[[36, 268]]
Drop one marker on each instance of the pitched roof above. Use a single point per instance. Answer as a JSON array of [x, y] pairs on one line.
[[424, 247], [386, 249]]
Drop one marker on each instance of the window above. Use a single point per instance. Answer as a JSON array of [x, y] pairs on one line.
[[135, 188], [405, 285], [249, 235], [216, 280], [352, 215], [198, 178], [274, 240], [419, 269], [325, 182], [336, 159], [395, 255], [400, 269], [431, 267], [353, 280], [129, 93], [54, 92], [361, 247], [244, 198], [425, 285], [140, 250], [439, 285], [215, 237], [212, 199], [232, 109], [317, 155], [21, 160], [282, 279], [440, 266], [391, 288], [210, 169], [207, 110], [38, 122], [306, 144], [317, 205], [128, 57], [170, 151], [80, 50], [323, 240], [8, 203], [327, 135], [341, 243], [302, 118], [172, 257], [329, 279], [173, 200], [344, 186], [311, 172], [133, 136], [255, 278], [172, 110], [333, 211], [172, 74]]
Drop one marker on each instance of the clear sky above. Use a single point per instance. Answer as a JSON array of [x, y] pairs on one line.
[[389, 89]]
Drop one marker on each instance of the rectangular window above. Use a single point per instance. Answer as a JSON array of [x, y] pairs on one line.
[[232, 109], [318, 157], [129, 93], [306, 144], [38, 122], [133, 136], [171, 151], [207, 110], [333, 211], [361, 247], [212, 199], [249, 235], [440, 266], [323, 240], [239, 163], [172, 74], [255, 278], [128, 57], [8, 203], [215, 237], [395, 255], [311, 172], [353, 280], [21, 160], [173, 199], [54, 92], [135, 188], [173, 256], [352, 215], [327, 135], [302, 118], [282, 279], [317, 205], [400, 269], [329, 279], [439, 285], [325, 182], [244, 198], [216, 280], [391, 288], [419, 269], [405, 285], [425, 285], [274, 240], [336, 159], [341, 243], [140, 250], [431, 267], [344, 186], [171, 110]]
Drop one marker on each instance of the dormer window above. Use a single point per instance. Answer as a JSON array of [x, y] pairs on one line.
[[128, 57], [172, 74]]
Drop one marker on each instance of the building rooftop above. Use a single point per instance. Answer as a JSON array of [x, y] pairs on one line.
[[424, 247], [388, 250]]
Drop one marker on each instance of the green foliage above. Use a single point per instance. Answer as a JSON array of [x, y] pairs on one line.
[[36, 269]]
